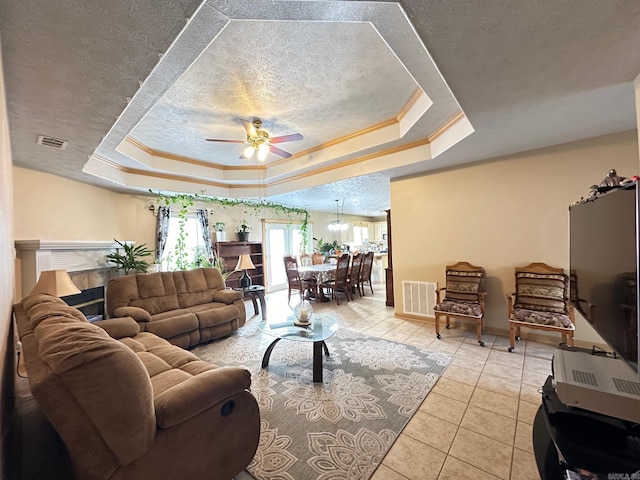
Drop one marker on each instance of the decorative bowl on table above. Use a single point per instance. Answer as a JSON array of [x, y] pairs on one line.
[[303, 313]]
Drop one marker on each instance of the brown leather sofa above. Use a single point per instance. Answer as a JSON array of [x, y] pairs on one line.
[[128, 404], [184, 307]]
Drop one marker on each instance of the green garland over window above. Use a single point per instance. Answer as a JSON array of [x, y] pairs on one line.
[[185, 200]]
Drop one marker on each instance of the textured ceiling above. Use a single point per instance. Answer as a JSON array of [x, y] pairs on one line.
[[297, 76], [138, 85]]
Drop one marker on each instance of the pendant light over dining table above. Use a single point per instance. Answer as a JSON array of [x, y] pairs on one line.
[[337, 224]]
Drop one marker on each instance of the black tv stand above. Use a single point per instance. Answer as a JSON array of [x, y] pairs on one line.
[[598, 351], [588, 442]]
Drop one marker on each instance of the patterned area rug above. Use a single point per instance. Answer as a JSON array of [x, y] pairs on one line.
[[342, 428]]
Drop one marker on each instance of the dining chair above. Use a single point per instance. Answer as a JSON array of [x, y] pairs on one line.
[[354, 274], [541, 301], [340, 283], [317, 259], [365, 274], [305, 259], [295, 282]]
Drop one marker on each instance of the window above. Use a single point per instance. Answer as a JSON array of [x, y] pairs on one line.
[[282, 239], [193, 243], [360, 235]]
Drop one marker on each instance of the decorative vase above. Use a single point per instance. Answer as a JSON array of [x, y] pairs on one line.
[[303, 313], [243, 236], [221, 236]]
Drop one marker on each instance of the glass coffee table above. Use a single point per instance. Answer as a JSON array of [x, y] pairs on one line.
[[321, 328]]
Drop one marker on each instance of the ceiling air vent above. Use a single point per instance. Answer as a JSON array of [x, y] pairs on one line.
[[52, 142]]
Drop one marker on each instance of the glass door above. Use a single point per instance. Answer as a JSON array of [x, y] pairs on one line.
[[282, 239]]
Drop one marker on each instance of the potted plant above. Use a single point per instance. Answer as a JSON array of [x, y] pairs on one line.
[[326, 248], [202, 260], [153, 267], [130, 260], [219, 264], [221, 235], [243, 231]]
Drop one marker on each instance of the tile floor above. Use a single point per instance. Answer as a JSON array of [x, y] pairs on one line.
[[477, 421]]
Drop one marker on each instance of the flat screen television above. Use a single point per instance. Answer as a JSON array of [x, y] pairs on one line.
[[603, 252]]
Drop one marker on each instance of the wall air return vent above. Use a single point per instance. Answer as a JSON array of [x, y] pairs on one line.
[[419, 298], [52, 142]]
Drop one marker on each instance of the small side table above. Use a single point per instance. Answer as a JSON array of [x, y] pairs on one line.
[[255, 292]]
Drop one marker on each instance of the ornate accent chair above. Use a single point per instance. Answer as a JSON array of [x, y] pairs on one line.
[[464, 297], [541, 301]]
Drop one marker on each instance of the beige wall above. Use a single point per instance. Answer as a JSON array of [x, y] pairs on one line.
[[48, 207], [64, 209], [500, 214], [6, 283], [636, 85]]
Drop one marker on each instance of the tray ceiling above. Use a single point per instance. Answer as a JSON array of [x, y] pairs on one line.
[[378, 89]]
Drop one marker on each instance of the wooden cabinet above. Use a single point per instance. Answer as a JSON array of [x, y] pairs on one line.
[[377, 231], [231, 251]]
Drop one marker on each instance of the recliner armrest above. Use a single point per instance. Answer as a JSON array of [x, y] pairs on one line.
[[195, 395], [137, 313], [120, 327], [227, 296]]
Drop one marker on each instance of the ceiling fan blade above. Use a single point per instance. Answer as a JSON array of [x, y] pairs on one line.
[[248, 126], [286, 138], [277, 151], [221, 140]]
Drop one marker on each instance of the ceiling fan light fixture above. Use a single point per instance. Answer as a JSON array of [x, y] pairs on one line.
[[249, 151], [258, 139], [262, 152]]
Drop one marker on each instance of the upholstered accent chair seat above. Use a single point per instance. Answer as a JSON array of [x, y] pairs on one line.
[[460, 308], [463, 297], [541, 302]]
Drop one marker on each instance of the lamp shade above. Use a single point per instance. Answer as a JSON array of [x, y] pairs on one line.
[[245, 263], [55, 282]]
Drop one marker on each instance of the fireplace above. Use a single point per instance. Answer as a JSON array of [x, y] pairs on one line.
[[86, 262]]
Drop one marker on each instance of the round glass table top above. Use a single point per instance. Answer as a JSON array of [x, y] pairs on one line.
[[321, 328]]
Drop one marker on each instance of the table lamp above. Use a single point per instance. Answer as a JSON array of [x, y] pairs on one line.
[[56, 283], [245, 263]]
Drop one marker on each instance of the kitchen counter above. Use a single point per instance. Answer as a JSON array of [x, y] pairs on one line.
[[380, 263]]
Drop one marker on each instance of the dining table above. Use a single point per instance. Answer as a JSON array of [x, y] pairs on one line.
[[321, 273]]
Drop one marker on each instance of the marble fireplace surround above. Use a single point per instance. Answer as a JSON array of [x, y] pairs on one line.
[[85, 260]]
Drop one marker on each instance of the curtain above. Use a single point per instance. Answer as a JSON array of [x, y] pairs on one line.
[[203, 218], [162, 231]]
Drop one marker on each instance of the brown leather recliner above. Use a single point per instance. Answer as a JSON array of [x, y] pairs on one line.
[[184, 307], [128, 404]]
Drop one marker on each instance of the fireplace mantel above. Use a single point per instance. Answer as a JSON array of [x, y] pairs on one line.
[[85, 260]]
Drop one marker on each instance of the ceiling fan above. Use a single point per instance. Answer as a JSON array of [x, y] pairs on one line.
[[259, 140]]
